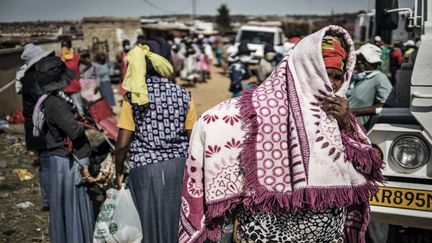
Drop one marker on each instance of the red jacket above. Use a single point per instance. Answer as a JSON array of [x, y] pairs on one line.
[[397, 56], [73, 64]]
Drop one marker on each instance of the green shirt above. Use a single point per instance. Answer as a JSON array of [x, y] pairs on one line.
[[374, 88], [385, 59]]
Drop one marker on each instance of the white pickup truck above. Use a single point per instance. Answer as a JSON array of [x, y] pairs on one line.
[[257, 37], [403, 138]]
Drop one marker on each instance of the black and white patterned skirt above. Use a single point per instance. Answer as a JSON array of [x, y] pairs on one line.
[[325, 225]]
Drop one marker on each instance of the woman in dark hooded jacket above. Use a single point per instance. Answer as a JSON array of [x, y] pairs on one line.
[[30, 92], [71, 212]]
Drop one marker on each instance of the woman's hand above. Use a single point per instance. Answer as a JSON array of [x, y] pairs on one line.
[[338, 107]]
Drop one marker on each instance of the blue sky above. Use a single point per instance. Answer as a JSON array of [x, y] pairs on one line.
[[29, 10]]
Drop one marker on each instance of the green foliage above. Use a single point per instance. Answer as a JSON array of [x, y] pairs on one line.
[[296, 29], [223, 20]]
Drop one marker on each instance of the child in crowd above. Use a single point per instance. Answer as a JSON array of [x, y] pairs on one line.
[[103, 80], [239, 70]]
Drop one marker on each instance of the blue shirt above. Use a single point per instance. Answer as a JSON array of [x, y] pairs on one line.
[[369, 88], [102, 72], [237, 72]]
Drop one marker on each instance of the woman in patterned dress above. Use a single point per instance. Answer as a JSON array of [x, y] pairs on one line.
[[155, 132]]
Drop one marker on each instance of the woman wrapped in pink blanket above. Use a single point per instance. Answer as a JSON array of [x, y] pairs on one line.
[[287, 159]]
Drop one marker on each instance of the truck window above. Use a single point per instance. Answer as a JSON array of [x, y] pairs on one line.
[[280, 41], [255, 37]]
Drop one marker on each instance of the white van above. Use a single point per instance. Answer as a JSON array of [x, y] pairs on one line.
[[257, 37]]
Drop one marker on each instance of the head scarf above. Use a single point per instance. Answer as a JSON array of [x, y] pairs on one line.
[[276, 143], [163, 47], [334, 53], [135, 79]]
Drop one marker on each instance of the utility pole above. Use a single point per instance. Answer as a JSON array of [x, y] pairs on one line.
[[193, 9]]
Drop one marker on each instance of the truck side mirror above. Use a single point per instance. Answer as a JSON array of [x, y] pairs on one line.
[[384, 20]]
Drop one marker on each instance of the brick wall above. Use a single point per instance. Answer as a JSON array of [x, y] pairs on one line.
[[10, 60], [114, 30]]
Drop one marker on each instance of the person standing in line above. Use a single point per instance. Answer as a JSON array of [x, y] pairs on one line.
[[189, 71], [395, 61], [410, 53], [370, 89], [385, 53], [154, 124], [71, 211], [123, 56], [203, 68], [73, 61], [87, 78], [230, 51], [208, 51], [86, 71], [238, 70], [267, 63], [103, 80], [30, 94], [219, 51]]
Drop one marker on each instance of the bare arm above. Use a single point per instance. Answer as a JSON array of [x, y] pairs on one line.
[[120, 152], [371, 110]]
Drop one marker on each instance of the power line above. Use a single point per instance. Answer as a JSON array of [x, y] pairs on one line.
[[166, 10]]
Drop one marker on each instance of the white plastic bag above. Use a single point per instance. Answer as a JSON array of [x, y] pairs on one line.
[[118, 221]]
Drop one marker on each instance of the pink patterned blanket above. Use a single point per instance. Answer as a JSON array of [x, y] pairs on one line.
[[276, 143]]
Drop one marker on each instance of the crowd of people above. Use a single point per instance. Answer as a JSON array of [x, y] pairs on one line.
[[285, 160]]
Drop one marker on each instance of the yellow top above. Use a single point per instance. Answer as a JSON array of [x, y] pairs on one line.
[[126, 120]]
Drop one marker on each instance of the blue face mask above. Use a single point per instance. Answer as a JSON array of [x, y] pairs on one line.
[[364, 75], [127, 47], [359, 76]]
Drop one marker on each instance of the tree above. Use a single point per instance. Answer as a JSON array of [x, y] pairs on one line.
[[223, 20], [296, 29]]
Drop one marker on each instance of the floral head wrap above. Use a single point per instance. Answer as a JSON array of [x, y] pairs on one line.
[[334, 52]]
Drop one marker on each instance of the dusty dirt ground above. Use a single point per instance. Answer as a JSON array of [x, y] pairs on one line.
[[19, 224], [31, 224], [208, 94]]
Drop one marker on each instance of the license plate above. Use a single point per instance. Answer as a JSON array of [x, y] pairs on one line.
[[395, 197]]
